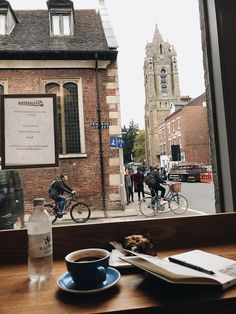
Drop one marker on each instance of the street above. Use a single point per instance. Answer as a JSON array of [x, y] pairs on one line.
[[199, 195]]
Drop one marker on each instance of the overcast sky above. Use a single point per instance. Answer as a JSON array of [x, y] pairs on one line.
[[134, 22]]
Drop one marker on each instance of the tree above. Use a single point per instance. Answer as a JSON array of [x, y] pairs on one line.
[[129, 136], [139, 146]]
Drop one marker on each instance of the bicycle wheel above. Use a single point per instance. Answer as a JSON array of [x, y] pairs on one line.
[[146, 208], [178, 204], [51, 210], [80, 212]]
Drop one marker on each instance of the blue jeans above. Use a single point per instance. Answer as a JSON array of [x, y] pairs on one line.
[[61, 200]]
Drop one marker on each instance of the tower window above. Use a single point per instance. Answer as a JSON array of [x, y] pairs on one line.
[[163, 81], [161, 49]]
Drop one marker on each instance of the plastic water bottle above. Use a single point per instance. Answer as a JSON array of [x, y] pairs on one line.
[[39, 229]]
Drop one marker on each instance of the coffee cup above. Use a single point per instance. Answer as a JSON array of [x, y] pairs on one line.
[[88, 267]]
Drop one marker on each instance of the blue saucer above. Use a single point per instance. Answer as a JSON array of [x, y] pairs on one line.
[[66, 283]]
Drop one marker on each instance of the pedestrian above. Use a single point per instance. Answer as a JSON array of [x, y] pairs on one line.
[[129, 186], [57, 189], [154, 183], [138, 183]]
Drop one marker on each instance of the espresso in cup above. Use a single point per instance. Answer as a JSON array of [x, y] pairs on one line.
[[88, 267]]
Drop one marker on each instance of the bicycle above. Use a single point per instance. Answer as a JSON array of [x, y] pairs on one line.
[[178, 204], [79, 212]]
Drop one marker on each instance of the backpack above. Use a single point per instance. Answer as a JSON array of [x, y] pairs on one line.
[[52, 185], [147, 178]]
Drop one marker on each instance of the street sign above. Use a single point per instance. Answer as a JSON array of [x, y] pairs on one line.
[[103, 125], [116, 142]]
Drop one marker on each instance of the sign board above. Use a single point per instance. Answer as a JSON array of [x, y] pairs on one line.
[[103, 125], [28, 131], [116, 142]]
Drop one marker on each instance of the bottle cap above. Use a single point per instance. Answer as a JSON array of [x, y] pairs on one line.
[[38, 201]]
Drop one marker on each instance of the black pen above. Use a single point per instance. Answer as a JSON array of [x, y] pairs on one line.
[[198, 268]]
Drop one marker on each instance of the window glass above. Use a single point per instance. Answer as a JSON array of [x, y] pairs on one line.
[[72, 118], [53, 88], [67, 116], [56, 25], [66, 25], [2, 24]]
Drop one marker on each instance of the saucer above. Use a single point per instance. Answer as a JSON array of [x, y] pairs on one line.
[[66, 283]]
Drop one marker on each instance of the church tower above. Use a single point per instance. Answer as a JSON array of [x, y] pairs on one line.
[[161, 80]]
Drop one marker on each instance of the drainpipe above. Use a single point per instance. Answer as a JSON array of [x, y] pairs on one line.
[[100, 136]]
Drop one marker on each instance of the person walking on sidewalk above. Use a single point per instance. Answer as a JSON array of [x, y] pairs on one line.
[[129, 185], [138, 183]]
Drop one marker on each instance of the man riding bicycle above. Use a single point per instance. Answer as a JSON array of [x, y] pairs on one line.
[[154, 183], [56, 190]]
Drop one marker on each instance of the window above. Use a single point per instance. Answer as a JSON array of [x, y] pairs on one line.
[[163, 81], [61, 25], [161, 49], [68, 116], [2, 24]]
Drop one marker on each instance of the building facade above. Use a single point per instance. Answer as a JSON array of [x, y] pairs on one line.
[[188, 128], [73, 54], [161, 80]]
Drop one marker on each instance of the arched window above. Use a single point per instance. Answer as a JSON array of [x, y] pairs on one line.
[[71, 110], [161, 49], [67, 116], [163, 81]]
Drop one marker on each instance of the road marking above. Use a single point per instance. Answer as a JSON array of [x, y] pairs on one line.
[[196, 211]]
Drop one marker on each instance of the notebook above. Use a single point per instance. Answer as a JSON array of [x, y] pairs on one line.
[[199, 267]]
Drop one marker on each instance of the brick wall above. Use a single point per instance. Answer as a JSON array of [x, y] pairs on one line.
[[84, 173]]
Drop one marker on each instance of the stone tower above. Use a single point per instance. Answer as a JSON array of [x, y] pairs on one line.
[[161, 80]]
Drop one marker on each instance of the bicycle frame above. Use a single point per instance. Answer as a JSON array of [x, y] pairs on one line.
[[69, 200]]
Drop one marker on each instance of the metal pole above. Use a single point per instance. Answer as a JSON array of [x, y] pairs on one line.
[[100, 136]]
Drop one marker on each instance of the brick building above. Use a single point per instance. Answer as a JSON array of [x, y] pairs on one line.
[[70, 53], [188, 128]]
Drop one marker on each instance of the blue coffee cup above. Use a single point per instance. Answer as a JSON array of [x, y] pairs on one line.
[[88, 267]]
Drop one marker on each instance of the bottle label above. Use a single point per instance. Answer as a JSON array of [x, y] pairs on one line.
[[40, 245]]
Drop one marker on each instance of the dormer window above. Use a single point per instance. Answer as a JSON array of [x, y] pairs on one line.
[[61, 25], [61, 15], [2, 24]]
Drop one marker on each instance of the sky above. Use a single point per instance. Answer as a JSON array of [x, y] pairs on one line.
[[134, 23]]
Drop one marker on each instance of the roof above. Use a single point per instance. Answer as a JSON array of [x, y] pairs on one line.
[[32, 36], [198, 100]]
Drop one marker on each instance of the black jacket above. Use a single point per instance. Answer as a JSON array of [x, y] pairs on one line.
[[155, 179], [59, 187]]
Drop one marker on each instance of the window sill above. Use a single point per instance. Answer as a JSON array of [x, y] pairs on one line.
[[82, 155]]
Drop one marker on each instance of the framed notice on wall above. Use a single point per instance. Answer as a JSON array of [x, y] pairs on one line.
[[28, 131]]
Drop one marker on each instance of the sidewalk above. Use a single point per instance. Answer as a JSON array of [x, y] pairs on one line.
[[131, 212]]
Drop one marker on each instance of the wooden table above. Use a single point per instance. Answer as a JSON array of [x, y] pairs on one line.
[[136, 292]]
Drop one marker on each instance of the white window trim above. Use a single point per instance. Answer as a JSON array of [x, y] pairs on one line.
[[78, 82], [61, 27]]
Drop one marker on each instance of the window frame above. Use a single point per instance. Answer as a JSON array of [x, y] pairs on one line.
[[78, 82], [61, 24]]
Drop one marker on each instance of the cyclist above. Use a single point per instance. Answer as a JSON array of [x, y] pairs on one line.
[[154, 183], [56, 190]]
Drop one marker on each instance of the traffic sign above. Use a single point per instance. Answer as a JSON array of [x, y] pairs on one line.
[[116, 142]]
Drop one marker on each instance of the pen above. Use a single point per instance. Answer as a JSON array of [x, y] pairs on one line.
[[198, 268]]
